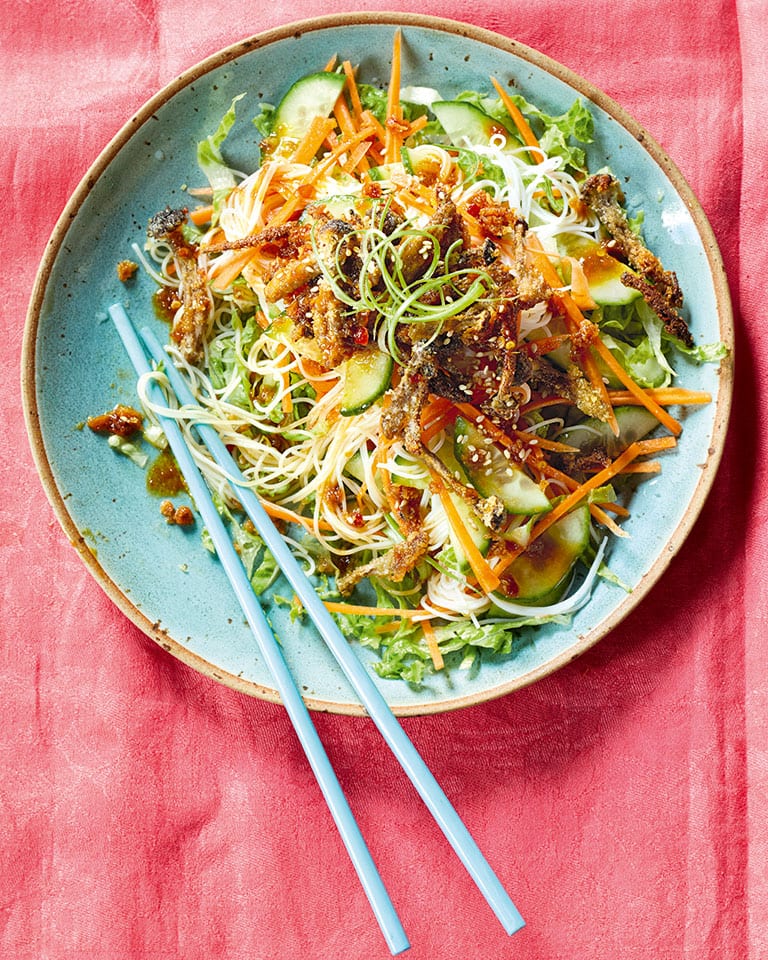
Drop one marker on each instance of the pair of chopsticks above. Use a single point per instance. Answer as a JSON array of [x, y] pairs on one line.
[[363, 685]]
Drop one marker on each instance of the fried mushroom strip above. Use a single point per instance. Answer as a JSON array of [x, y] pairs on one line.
[[191, 325], [402, 418], [393, 565], [659, 287]]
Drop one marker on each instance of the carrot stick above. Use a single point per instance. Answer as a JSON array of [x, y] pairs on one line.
[[318, 130], [633, 451], [434, 650], [354, 93], [674, 426], [283, 513], [232, 269], [529, 138], [356, 609], [480, 567], [579, 286], [394, 112], [532, 440], [372, 121], [544, 344], [602, 517], [486, 425], [418, 124], [664, 396], [201, 215], [576, 320], [576, 317], [313, 374], [570, 484], [357, 159], [303, 193]]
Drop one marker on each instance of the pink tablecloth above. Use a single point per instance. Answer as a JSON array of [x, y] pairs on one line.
[[149, 813]]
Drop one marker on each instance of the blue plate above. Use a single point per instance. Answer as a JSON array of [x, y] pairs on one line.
[[74, 366]]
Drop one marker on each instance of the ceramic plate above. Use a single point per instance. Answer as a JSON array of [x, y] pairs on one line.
[[74, 365]]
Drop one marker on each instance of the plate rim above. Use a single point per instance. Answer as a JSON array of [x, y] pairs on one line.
[[295, 29]]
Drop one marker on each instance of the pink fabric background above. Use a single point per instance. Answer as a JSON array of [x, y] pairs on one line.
[[146, 812]]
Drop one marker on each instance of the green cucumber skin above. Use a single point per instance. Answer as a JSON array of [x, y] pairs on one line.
[[311, 96], [466, 122], [367, 375], [605, 286], [634, 423], [475, 527], [517, 491], [564, 542]]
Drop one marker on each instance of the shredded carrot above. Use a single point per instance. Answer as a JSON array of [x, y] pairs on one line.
[[479, 565], [313, 139], [386, 627], [644, 466], [654, 445], [486, 425], [283, 513], [529, 138], [576, 321], [357, 159], [354, 93], [302, 196], [418, 123], [633, 451], [664, 396], [331, 64], [579, 286], [357, 609], [435, 416], [394, 111], [535, 441], [316, 376], [570, 484], [201, 215], [349, 126], [434, 650], [371, 121], [674, 426], [227, 275], [542, 402], [602, 517]]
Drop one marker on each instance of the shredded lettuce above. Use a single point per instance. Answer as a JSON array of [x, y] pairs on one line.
[[558, 136], [209, 157], [264, 119]]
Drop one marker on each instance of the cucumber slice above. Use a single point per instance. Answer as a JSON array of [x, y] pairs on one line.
[[467, 124], [603, 271], [540, 575], [477, 530], [492, 474], [312, 96], [367, 375], [592, 434]]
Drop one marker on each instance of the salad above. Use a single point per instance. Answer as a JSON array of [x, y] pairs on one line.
[[438, 348]]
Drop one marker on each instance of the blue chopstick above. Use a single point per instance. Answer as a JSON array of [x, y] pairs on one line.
[[418, 772], [375, 890]]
